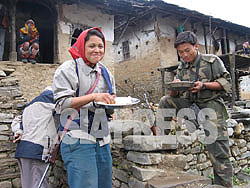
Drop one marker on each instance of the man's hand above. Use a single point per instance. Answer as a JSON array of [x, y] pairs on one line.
[[17, 138], [171, 92], [197, 87]]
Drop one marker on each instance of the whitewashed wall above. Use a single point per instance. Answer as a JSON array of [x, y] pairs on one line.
[[79, 15]]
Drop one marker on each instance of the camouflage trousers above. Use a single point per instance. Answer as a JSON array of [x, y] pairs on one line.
[[219, 151]]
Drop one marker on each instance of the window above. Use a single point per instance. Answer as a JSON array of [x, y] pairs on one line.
[[75, 35], [125, 50]]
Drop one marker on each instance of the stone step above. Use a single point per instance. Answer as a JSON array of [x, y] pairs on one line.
[[150, 143], [180, 181], [9, 176]]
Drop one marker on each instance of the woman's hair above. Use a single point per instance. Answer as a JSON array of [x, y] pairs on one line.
[[96, 33], [185, 37]]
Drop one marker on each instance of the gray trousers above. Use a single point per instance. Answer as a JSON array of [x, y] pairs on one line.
[[31, 172]]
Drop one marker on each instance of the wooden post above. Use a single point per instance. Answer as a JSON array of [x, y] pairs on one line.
[[232, 70], [237, 88], [13, 53], [56, 42], [225, 40], [205, 37], [163, 82], [162, 70]]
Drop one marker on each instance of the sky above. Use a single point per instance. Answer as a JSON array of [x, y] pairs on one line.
[[237, 12]]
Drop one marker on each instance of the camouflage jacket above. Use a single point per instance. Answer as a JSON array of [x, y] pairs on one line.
[[211, 69]]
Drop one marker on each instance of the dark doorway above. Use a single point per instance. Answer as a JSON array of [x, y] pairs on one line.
[[44, 21], [75, 35]]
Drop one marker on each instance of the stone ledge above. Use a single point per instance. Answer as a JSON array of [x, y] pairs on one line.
[[150, 143], [174, 181]]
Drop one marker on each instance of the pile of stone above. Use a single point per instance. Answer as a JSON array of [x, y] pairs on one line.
[[140, 158], [11, 101]]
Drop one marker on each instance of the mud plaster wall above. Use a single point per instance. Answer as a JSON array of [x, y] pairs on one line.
[[79, 16], [150, 48], [245, 88], [151, 44]]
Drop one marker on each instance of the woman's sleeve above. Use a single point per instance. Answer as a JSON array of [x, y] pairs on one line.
[[16, 125], [65, 84]]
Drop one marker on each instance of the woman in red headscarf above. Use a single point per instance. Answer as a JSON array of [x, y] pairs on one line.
[[77, 84]]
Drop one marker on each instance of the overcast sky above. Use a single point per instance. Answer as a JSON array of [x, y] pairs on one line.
[[237, 12]]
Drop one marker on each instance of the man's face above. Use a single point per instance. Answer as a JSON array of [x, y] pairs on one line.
[[187, 51]]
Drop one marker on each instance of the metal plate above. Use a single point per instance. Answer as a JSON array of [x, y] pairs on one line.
[[179, 86], [120, 102]]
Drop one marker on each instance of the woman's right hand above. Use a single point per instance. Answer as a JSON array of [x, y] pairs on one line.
[[17, 138], [104, 97]]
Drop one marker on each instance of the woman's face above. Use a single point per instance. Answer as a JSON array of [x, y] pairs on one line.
[[94, 49]]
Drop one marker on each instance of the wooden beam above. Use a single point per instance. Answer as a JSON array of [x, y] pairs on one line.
[[232, 70], [205, 37], [225, 40]]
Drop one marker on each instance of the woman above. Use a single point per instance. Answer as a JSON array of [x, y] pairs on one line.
[[76, 85]]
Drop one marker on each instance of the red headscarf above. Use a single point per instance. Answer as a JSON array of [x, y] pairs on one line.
[[78, 48]]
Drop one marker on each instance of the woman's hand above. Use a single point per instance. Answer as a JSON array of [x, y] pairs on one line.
[[104, 97], [17, 138]]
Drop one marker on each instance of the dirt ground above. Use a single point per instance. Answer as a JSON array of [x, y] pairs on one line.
[[32, 78]]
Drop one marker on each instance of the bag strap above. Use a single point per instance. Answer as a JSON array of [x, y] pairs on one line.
[[107, 78], [98, 74], [95, 83], [197, 67]]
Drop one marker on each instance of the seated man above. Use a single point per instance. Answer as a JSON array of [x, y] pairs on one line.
[[246, 47], [29, 44]]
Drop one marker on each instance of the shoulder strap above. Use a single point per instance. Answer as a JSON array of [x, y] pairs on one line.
[[107, 78], [93, 86], [96, 81], [105, 75], [197, 67], [77, 73]]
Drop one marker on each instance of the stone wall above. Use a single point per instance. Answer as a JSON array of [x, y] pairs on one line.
[[11, 101], [19, 83], [139, 159]]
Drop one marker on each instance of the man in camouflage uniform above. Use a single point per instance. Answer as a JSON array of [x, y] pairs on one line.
[[211, 82]]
